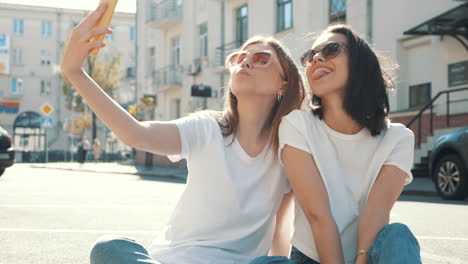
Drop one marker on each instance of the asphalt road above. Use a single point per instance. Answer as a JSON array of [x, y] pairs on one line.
[[54, 216]]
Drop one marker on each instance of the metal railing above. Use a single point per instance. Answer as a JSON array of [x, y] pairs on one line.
[[169, 75], [430, 105], [165, 10], [224, 50]]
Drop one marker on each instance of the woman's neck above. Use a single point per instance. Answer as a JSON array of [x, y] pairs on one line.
[[336, 117], [254, 113]]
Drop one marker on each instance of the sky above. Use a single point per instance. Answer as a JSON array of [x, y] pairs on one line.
[[122, 5]]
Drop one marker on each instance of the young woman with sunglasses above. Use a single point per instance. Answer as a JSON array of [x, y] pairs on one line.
[[237, 198], [346, 162]]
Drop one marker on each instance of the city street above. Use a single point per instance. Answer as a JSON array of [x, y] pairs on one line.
[[54, 216]]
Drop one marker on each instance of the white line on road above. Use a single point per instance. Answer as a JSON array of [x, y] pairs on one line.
[[442, 238], [108, 206], [441, 259], [36, 230]]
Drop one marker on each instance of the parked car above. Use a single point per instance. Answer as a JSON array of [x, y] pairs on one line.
[[7, 154], [448, 164]]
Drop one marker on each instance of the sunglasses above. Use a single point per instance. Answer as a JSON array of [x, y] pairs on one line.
[[258, 59], [329, 51]]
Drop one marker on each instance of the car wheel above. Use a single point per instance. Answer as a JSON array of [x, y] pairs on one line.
[[451, 179], [1, 171]]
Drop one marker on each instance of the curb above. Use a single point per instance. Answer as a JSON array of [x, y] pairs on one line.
[[114, 172]]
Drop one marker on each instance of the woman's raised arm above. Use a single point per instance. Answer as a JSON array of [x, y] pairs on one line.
[[157, 137]]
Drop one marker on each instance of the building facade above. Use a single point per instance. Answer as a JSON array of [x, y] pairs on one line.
[[182, 45], [33, 41]]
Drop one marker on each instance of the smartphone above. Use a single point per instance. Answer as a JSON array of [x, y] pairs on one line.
[[104, 21]]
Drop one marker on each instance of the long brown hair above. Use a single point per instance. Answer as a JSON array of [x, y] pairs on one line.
[[292, 97]]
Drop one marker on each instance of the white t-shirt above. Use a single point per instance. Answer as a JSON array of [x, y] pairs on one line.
[[227, 211], [348, 165]]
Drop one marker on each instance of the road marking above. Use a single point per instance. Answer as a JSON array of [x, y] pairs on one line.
[[442, 238], [159, 205], [440, 259], [90, 231]]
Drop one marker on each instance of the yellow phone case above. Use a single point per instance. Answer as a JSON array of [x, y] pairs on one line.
[[104, 21]]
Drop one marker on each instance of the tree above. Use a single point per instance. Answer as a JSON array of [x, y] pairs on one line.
[[106, 70]]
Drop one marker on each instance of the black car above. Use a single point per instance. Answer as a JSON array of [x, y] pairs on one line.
[[7, 154], [448, 165]]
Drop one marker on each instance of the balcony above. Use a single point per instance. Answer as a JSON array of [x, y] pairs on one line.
[[224, 50], [165, 14], [168, 77]]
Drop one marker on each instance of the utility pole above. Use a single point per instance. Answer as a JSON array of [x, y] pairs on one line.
[[90, 72]]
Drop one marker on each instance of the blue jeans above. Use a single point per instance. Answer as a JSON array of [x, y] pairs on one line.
[[394, 244], [119, 250]]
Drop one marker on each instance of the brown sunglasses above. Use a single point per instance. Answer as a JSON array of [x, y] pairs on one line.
[[329, 51]]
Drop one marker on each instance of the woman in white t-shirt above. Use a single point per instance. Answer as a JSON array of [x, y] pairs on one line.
[[237, 198], [346, 162]]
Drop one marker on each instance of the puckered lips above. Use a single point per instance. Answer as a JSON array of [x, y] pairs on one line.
[[320, 72]]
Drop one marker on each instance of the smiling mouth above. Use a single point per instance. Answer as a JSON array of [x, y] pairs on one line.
[[320, 72]]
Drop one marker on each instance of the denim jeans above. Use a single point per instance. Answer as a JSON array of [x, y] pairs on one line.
[[394, 244], [119, 250]]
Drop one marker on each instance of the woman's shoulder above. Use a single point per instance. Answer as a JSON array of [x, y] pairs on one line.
[[300, 115], [398, 128], [299, 121], [398, 131]]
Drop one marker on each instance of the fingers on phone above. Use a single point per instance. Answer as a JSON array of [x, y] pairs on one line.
[[96, 44], [96, 32]]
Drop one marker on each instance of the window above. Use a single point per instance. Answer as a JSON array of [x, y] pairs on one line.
[[175, 51], [46, 28], [132, 33], [337, 11], [203, 34], [151, 60], [16, 86], [45, 88], [18, 26], [16, 56], [284, 15], [241, 25], [131, 72], [45, 57], [420, 95]]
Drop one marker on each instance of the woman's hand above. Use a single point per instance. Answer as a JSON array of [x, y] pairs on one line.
[[80, 42]]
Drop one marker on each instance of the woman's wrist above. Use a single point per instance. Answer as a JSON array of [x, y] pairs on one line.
[[361, 257], [73, 74]]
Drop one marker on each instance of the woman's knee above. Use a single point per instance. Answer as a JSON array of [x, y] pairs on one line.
[[106, 248], [396, 230], [396, 243]]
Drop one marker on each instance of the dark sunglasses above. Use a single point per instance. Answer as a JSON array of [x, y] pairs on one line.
[[329, 51]]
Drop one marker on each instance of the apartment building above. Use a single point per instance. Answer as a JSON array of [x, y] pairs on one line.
[[31, 42], [182, 46]]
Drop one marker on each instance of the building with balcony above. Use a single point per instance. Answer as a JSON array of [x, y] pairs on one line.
[[31, 42], [427, 41]]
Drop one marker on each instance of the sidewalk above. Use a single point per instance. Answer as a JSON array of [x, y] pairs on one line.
[[114, 167], [420, 186]]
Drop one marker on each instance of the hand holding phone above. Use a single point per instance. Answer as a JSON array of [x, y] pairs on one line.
[[104, 21]]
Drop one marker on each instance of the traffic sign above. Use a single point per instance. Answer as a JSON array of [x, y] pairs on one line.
[[47, 122], [47, 109]]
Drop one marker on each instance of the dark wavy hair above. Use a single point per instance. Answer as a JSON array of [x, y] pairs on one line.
[[366, 99]]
